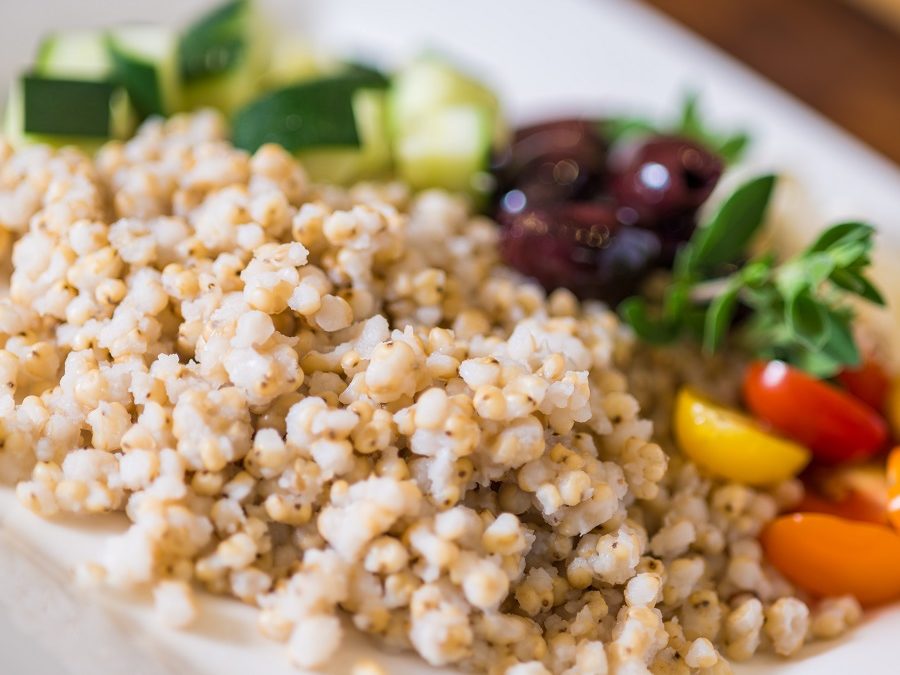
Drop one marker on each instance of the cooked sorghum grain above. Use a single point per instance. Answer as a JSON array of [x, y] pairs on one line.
[[319, 400]]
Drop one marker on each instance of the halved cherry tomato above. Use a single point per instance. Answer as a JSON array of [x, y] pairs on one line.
[[869, 383], [892, 407], [826, 555], [852, 507], [857, 492], [893, 481], [836, 426], [731, 445]]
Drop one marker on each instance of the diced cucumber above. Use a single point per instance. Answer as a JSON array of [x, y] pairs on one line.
[[293, 60], [216, 41], [222, 57], [448, 148], [430, 84], [313, 114], [145, 59], [226, 91], [75, 55], [365, 71], [66, 112], [372, 159]]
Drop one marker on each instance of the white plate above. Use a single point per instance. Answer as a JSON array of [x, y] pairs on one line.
[[543, 56]]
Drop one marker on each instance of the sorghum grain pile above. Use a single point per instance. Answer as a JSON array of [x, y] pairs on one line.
[[322, 400]]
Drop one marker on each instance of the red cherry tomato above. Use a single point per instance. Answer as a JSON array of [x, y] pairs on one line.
[[852, 491], [869, 383], [833, 424], [852, 506]]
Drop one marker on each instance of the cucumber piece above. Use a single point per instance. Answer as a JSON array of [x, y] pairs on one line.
[[428, 85], [372, 159], [145, 59], [366, 71], [449, 148], [314, 114], [216, 42], [226, 91], [75, 55], [66, 112], [222, 57], [292, 61]]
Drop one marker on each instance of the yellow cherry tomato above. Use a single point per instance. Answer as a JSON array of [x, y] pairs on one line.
[[731, 445]]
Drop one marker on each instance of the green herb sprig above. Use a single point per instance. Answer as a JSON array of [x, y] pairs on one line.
[[689, 123], [797, 311]]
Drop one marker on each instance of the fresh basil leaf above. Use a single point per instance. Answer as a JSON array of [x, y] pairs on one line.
[[817, 269], [840, 233], [870, 292], [732, 148], [804, 273], [816, 363], [678, 298], [791, 280], [852, 254], [758, 271], [616, 129], [689, 122], [693, 322], [857, 284], [655, 331], [807, 320], [840, 345], [720, 315], [728, 233], [682, 266]]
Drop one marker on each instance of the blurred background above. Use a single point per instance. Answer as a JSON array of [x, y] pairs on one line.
[[842, 57]]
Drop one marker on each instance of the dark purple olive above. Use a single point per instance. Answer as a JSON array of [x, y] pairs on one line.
[[552, 161], [661, 182], [581, 246]]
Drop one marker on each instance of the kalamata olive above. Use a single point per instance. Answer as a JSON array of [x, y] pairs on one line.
[[552, 161], [661, 182], [581, 246]]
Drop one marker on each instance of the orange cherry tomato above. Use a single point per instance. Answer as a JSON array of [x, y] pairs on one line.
[[855, 491], [836, 426], [827, 555], [893, 482], [869, 383]]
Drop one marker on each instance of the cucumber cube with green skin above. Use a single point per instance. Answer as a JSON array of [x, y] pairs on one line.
[[225, 91], [222, 57], [444, 126], [294, 60], [371, 160], [66, 112], [430, 84], [216, 42], [75, 55], [314, 114], [66, 107], [449, 148], [145, 59]]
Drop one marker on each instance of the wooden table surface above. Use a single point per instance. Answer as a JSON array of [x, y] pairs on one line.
[[838, 59]]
